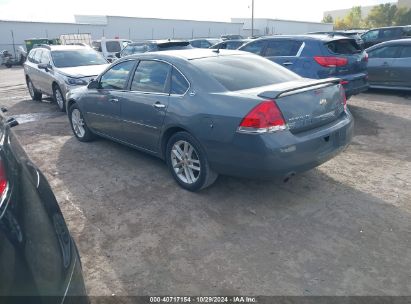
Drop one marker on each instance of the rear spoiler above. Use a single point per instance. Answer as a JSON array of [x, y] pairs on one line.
[[292, 87]]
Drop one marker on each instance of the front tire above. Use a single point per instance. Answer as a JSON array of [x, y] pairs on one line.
[[188, 162], [59, 98], [78, 125], [34, 94]]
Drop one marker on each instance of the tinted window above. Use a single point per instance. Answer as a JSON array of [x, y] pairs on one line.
[[151, 76], [113, 46], [243, 71], [233, 45], [135, 49], [282, 48], [73, 58], [196, 43], [407, 31], [116, 78], [406, 51], [344, 47], [179, 84], [385, 52], [96, 45], [371, 35], [390, 33], [37, 56], [255, 47]]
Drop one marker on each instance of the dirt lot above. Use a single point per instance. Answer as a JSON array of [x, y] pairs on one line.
[[341, 229]]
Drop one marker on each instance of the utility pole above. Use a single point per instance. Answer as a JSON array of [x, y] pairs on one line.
[[252, 18]]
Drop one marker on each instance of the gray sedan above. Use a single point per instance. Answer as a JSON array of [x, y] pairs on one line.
[[209, 112], [389, 65]]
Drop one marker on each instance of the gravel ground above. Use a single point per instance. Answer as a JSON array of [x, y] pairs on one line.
[[343, 228]]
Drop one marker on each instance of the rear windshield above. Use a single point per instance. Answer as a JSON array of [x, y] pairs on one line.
[[113, 46], [241, 72], [73, 58], [344, 47]]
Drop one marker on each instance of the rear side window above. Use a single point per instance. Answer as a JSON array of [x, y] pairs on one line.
[[179, 84], [385, 52], [151, 76], [243, 71], [113, 46], [343, 47], [390, 33], [255, 47], [282, 48], [371, 35]]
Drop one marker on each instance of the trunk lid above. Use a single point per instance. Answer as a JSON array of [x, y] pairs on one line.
[[306, 104]]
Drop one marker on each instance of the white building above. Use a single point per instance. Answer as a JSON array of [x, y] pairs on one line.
[[263, 26]]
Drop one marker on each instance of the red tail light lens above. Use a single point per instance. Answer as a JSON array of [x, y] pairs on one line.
[[265, 117], [331, 61], [3, 179], [365, 57]]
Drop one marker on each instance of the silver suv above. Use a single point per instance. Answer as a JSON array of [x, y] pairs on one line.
[[54, 70]]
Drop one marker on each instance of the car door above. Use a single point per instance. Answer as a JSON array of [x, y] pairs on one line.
[[144, 110], [45, 76], [401, 67], [285, 52], [103, 105], [380, 63]]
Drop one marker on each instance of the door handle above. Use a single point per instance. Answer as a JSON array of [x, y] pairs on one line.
[[113, 100], [287, 63], [159, 105]]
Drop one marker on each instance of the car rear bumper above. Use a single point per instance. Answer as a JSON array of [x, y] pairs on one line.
[[355, 84], [282, 154]]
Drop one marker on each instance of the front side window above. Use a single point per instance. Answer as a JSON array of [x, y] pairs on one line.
[[282, 48], [385, 52], [37, 56], [255, 47], [31, 55], [390, 33], [151, 76], [406, 51], [116, 78], [179, 84], [45, 57], [79, 57]]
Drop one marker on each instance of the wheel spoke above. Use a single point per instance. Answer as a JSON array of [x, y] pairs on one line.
[[177, 154], [187, 175], [191, 166]]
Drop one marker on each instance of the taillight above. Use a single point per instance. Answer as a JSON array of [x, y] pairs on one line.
[[343, 97], [331, 61], [365, 58], [3, 179], [265, 117]]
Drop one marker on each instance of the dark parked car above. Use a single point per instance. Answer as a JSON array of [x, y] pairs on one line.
[[317, 57], [389, 65], [383, 34], [38, 258], [208, 113], [230, 44], [154, 46], [204, 43]]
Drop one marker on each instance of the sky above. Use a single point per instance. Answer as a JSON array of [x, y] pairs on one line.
[[213, 10]]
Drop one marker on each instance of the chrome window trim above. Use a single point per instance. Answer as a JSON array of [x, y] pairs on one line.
[[157, 93], [301, 49]]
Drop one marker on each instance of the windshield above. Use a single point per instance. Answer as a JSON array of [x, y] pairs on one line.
[[74, 58], [244, 72]]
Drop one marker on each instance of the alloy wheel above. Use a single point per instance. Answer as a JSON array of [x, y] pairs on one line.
[[185, 162], [59, 98], [78, 123], [31, 88]]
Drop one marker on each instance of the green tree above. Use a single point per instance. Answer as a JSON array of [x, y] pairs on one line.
[[403, 16], [354, 18], [328, 19], [340, 24], [382, 15]]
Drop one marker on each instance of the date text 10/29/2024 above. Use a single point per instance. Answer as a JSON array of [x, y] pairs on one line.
[[234, 299]]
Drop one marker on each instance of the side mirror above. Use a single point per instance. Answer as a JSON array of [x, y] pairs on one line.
[[118, 54], [12, 122], [44, 66], [93, 85]]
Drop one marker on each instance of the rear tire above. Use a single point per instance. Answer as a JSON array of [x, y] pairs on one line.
[[78, 125], [59, 98], [35, 95], [188, 162]]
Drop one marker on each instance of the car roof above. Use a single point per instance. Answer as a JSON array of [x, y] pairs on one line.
[[62, 47], [163, 41], [317, 37], [188, 54], [391, 42]]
